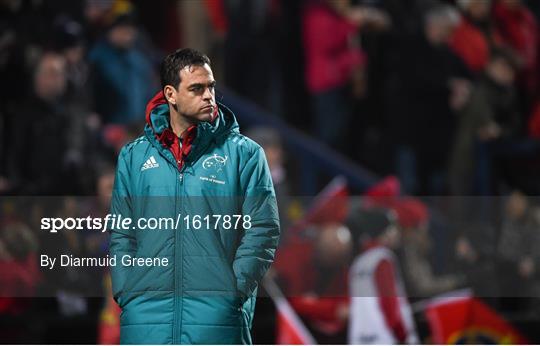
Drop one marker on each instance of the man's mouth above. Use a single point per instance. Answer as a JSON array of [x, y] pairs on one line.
[[207, 108]]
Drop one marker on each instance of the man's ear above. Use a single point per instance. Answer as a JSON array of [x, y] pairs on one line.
[[169, 92]]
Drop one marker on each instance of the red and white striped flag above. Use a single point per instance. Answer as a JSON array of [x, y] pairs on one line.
[[290, 330]]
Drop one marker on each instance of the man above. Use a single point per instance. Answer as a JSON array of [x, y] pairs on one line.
[[471, 39], [45, 112], [380, 312], [331, 61], [122, 74], [422, 118], [490, 115], [193, 162]]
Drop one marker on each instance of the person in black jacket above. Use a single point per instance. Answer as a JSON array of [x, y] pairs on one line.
[[38, 152], [430, 87]]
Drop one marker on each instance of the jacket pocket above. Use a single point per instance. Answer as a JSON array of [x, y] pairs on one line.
[[208, 273]]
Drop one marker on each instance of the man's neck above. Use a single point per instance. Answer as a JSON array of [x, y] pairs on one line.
[[179, 123]]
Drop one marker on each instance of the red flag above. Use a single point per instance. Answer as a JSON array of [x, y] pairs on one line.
[[290, 330], [386, 189], [468, 320], [330, 205]]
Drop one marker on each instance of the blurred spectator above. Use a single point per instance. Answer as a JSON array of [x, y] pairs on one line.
[[39, 156], [96, 13], [270, 140], [69, 40], [123, 77], [335, 63], [431, 88], [480, 15], [18, 265], [331, 59], [417, 247], [519, 260], [469, 41], [17, 36], [490, 114], [518, 29], [475, 252], [19, 281], [313, 275], [95, 245], [380, 312], [204, 27], [405, 14], [253, 50], [12, 70], [533, 127]]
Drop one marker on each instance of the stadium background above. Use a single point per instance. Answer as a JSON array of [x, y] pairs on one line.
[[427, 108]]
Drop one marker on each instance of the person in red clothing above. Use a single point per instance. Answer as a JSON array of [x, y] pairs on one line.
[[380, 312], [333, 61], [19, 279], [517, 27], [468, 40], [313, 275], [534, 122]]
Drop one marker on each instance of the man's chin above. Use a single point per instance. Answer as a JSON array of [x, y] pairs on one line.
[[200, 117], [207, 116]]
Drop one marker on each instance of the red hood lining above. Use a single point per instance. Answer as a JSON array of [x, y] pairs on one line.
[[168, 138], [158, 99]]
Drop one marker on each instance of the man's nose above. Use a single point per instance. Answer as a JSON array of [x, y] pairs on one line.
[[208, 95]]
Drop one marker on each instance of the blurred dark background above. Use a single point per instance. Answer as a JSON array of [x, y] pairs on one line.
[[440, 97]]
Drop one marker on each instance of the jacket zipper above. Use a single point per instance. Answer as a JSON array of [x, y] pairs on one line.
[[179, 269], [178, 254]]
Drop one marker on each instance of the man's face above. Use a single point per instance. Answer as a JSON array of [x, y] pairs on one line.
[[501, 72], [274, 156], [391, 237], [480, 9], [50, 77], [333, 245], [439, 33], [123, 36], [104, 187], [195, 98]]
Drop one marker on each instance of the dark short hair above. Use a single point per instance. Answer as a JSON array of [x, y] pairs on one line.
[[174, 62]]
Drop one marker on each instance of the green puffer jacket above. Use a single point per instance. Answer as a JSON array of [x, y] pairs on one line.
[[206, 293]]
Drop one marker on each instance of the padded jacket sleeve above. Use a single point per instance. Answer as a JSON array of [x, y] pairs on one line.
[[260, 238]]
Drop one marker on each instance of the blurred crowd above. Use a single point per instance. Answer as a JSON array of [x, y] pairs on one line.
[[442, 95]]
